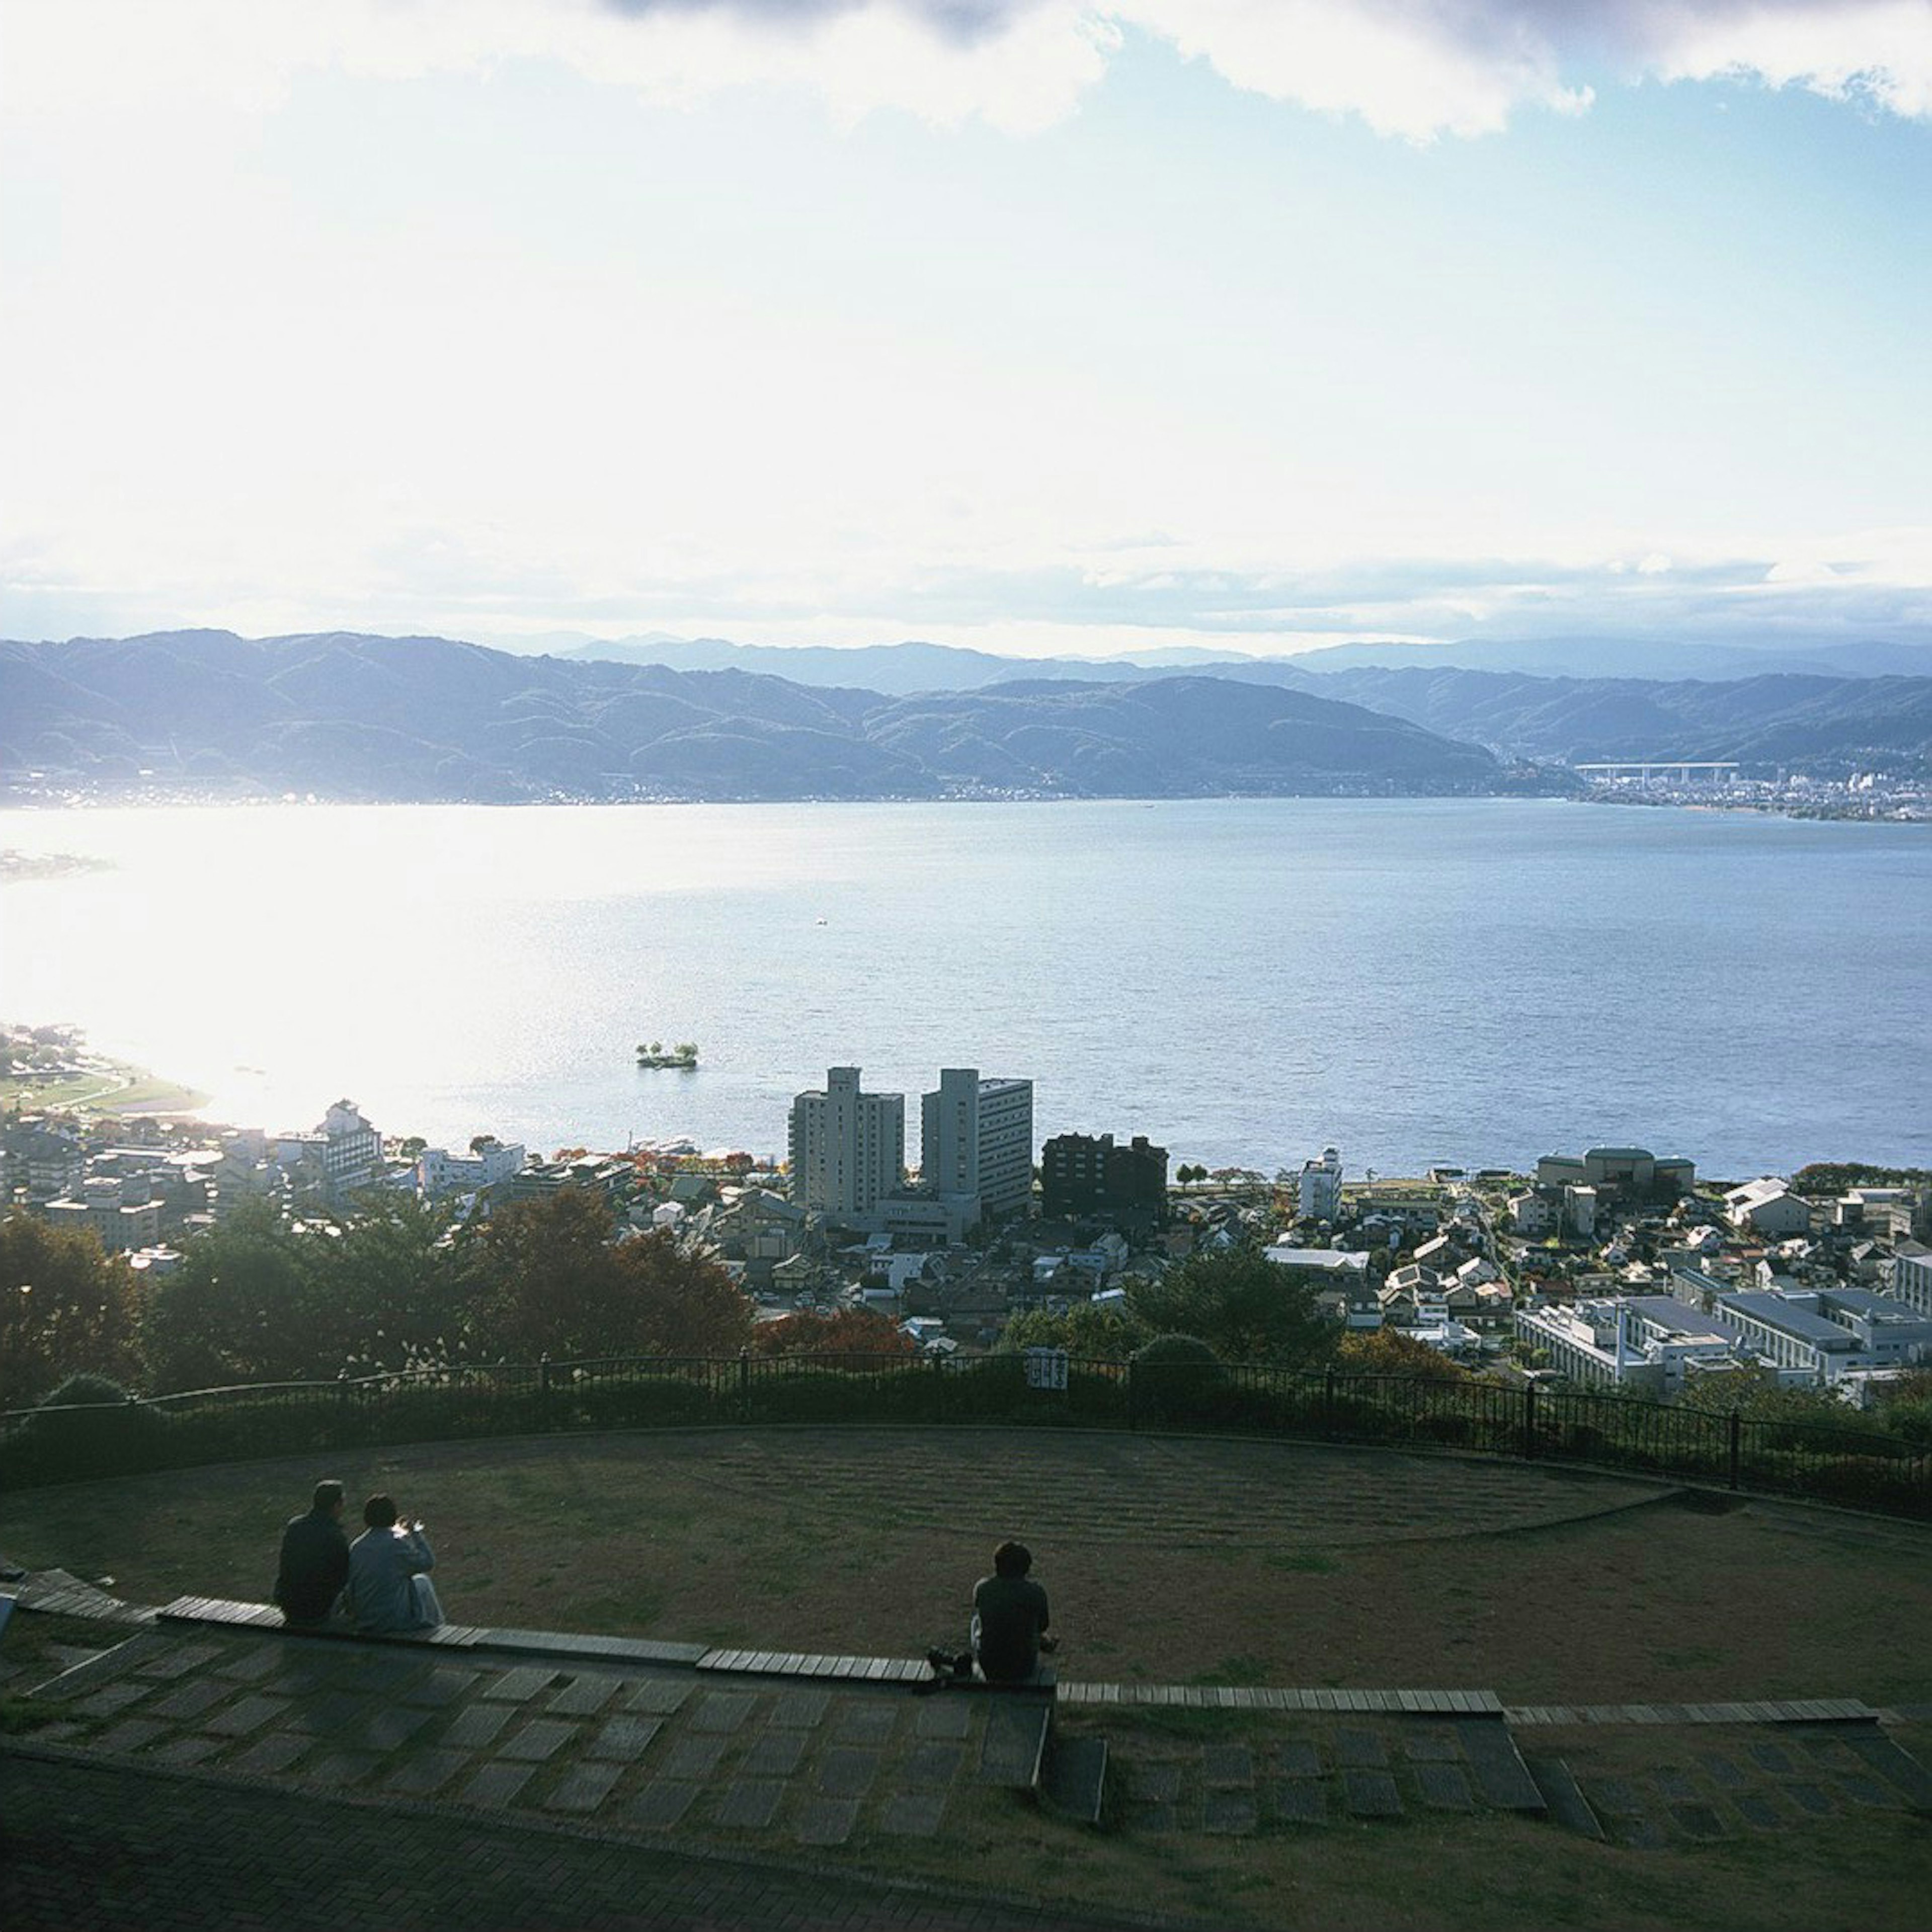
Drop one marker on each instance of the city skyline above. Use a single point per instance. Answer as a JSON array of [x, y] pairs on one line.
[[1034, 327]]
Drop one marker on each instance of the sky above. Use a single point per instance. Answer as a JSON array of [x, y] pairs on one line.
[[1037, 326]]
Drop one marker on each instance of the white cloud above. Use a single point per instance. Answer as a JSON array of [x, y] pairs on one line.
[[1415, 68]]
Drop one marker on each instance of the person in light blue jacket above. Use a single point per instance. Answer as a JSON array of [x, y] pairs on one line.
[[388, 1589]]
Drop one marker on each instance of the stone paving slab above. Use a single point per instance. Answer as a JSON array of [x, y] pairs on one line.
[[631, 1748]]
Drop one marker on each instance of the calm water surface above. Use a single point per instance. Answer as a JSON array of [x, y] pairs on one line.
[[1473, 981]]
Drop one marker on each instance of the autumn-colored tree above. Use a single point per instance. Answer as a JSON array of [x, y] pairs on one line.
[[845, 1331], [546, 1279], [677, 1302], [1388, 1351], [65, 1308]]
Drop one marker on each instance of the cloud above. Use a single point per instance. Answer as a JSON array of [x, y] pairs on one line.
[[1416, 69]]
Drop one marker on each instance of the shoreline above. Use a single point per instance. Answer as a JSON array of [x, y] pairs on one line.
[[87, 1084]]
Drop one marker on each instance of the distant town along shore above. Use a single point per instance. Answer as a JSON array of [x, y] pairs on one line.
[[1613, 1267]]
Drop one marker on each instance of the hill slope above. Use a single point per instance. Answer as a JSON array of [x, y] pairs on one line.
[[349, 716]]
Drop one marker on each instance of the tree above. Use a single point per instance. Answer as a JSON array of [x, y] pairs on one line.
[[546, 1280], [1388, 1351], [845, 1331], [385, 1287], [1093, 1331], [1244, 1307], [678, 1303], [241, 1307], [65, 1309]]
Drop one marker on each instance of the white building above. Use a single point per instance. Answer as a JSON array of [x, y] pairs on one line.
[[439, 1172], [1645, 1343], [1320, 1193], [1767, 1206], [341, 1152], [848, 1149], [1824, 1335], [976, 1138], [1912, 1277]]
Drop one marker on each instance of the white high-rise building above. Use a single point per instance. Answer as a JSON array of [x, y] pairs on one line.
[[1321, 1191], [847, 1148], [976, 1138]]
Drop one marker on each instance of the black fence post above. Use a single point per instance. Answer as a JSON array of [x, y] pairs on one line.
[[543, 1385], [745, 1385], [1328, 1402], [1528, 1421], [939, 1384], [1737, 1429], [1133, 1404]]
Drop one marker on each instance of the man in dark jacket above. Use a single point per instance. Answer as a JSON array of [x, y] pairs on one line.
[[315, 1559], [1009, 1618]]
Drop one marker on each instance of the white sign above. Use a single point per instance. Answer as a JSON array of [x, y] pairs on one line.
[[1046, 1368]]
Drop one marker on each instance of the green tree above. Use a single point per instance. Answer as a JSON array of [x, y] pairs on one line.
[[385, 1287], [65, 1309], [1091, 1331], [243, 1306], [1244, 1307]]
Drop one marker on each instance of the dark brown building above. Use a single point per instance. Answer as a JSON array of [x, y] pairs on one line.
[[1081, 1175]]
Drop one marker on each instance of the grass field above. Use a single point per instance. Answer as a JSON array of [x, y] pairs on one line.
[[1170, 1560]]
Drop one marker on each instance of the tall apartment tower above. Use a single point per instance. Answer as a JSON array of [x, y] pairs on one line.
[[1321, 1188], [976, 1137], [847, 1148]]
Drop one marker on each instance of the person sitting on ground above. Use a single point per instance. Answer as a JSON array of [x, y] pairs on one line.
[[389, 1590], [315, 1558], [1009, 1618]]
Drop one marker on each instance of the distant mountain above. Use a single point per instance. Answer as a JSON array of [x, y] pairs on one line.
[[1828, 725], [347, 716], [1666, 661], [897, 670], [904, 668]]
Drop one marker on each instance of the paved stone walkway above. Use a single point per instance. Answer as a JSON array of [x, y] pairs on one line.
[[184, 1774], [96, 1845]]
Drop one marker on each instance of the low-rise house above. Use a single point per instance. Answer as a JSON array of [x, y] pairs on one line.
[[1532, 1215]]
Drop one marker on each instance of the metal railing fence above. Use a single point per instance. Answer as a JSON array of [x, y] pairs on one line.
[[1852, 1463]]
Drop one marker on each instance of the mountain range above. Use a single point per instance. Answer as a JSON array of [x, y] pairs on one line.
[[347, 715], [904, 668]]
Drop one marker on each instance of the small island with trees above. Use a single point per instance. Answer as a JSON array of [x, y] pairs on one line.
[[655, 1053]]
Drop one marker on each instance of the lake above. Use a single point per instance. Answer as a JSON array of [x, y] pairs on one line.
[[1471, 981]]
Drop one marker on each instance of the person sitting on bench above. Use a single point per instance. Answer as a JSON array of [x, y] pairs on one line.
[[1009, 1618], [387, 1590], [315, 1559]]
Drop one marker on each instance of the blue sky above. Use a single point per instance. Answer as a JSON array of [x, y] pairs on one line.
[[1015, 323]]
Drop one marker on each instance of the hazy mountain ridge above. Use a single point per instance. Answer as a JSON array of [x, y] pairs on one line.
[[1831, 724], [346, 715], [903, 669]]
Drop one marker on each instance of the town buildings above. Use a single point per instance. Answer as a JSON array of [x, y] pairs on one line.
[[847, 1148], [1319, 1192], [976, 1139], [1080, 1175]]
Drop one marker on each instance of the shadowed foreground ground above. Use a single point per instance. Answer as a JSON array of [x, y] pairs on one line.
[[1172, 1560]]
